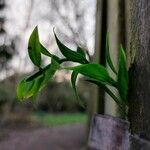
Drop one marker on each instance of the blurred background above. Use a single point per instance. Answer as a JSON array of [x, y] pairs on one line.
[[56, 105]]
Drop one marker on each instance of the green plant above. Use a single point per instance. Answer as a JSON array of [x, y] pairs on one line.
[[95, 73]]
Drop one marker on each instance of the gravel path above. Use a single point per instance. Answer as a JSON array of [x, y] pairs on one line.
[[71, 137]]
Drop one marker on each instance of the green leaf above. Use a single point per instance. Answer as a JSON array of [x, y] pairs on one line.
[[94, 71], [120, 104], [122, 75], [73, 81], [21, 88], [53, 66], [32, 85], [108, 58], [37, 85], [27, 89], [70, 54], [34, 48], [81, 51], [47, 53], [50, 71], [40, 72]]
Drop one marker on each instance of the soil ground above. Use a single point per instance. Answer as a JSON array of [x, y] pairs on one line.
[[68, 137]]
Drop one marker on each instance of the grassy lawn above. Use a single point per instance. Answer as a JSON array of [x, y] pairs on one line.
[[59, 119]]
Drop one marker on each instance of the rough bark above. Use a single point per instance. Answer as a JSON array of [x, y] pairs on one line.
[[137, 143], [139, 93]]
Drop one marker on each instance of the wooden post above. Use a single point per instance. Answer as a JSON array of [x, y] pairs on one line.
[[99, 57], [116, 29], [113, 29], [103, 128]]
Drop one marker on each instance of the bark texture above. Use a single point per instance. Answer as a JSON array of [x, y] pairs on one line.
[[137, 143], [139, 93]]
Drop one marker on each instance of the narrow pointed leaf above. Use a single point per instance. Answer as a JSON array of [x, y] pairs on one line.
[[122, 75], [51, 67], [22, 88], [70, 54], [34, 48], [73, 81], [37, 85], [50, 71], [37, 74], [81, 51], [27, 89], [94, 71], [47, 53], [120, 104], [32, 85], [108, 58]]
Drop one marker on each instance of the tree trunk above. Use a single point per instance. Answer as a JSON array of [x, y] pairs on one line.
[[139, 54]]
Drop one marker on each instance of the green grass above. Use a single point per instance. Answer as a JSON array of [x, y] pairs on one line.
[[59, 119]]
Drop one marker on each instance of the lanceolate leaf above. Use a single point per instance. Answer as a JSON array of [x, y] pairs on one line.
[[34, 48], [35, 75], [94, 71], [108, 58], [47, 53], [22, 88], [110, 93], [81, 51], [53, 66], [32, 85], [73, 81], [70, 54], [122, 75], [50, 71], [27, 89]]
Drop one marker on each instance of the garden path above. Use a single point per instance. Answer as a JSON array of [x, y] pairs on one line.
[[69, 137]]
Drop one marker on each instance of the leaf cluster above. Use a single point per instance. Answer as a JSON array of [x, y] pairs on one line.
[[95, 73]]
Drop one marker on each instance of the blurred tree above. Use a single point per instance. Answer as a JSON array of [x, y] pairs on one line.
[[7, 50], [63, 100], [2, 4], [72, 18], [7, 46]]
